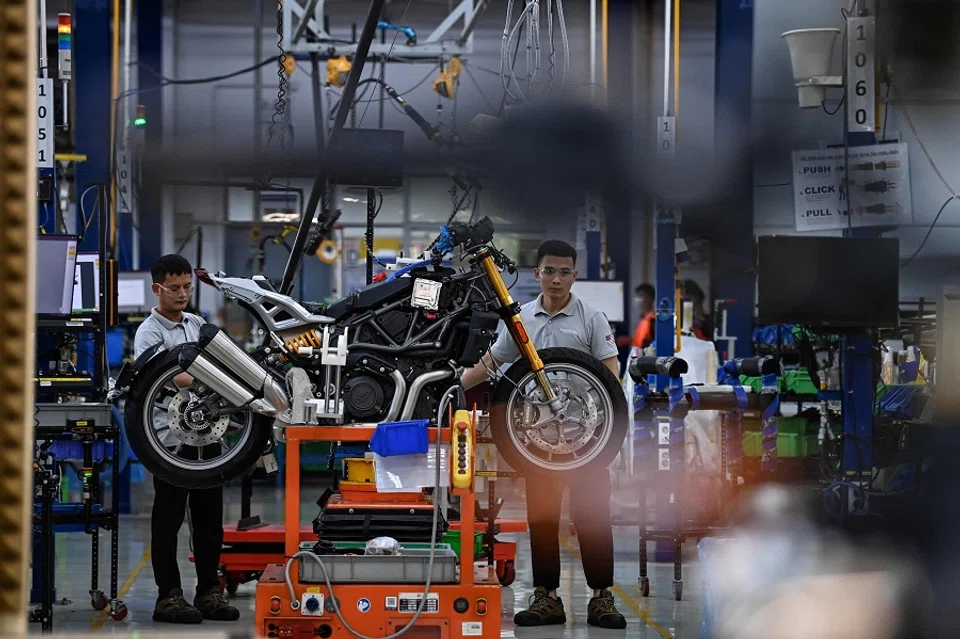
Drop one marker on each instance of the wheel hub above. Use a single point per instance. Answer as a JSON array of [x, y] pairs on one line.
[[565, 432], [190, 425]]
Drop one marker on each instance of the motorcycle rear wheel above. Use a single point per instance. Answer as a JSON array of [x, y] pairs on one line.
[[601, 406], [248, 436]]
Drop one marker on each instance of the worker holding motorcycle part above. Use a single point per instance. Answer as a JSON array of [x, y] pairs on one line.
[[557, 318], [170, 326]]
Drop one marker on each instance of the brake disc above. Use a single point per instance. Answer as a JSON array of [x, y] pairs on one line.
[[193, 432], [570, 435]]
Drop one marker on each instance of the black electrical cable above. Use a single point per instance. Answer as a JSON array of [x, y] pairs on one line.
[[823, 105], [280, 106], [929, 231], [215, 78]]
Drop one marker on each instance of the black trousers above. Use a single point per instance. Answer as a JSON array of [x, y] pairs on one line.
[[206, 515], [590, 509]]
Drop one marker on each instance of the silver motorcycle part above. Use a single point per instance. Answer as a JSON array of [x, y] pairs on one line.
[[417, 387], [400, 391], [189, 426], [224, 350], [562, 440], [273, 402], [301, 391], [268, 305], [207, 371], [558, 433], [168, 438]]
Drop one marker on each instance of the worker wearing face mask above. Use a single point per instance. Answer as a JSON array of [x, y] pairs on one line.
[[643, 335]]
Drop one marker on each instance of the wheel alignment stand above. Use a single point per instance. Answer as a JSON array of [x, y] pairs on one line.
[[365, 606]]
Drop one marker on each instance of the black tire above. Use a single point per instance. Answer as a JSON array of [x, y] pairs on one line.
[[136, 430], [520, 369]]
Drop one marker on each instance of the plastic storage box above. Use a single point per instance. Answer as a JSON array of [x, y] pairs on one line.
[[400, 438], [452, 537], [409, 567]]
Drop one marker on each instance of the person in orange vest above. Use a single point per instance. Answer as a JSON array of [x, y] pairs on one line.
[[643, 335]]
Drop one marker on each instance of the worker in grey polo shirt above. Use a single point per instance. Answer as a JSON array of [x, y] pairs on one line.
[[170, 326], [557, 318]]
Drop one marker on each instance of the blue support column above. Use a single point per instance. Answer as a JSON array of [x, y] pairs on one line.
[[734, 247], [666, 286], [92, 72], [150, 53], [858, 370]]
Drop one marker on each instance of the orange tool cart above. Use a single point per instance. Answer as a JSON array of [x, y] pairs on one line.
[[378, 596]]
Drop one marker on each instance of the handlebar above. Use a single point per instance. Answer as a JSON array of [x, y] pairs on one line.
[[460, 234]]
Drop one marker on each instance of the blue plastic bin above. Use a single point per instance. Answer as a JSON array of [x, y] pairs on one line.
[[400, 438]]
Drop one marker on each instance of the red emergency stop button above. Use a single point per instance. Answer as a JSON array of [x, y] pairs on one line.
[[462, 425], [481, 606], [275, 605]]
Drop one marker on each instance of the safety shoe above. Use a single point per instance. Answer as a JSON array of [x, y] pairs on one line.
[[175, 609], [215, 606], [602, 613], [544, 610]]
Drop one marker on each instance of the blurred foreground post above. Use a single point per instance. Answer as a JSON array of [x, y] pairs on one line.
[[18, 223]]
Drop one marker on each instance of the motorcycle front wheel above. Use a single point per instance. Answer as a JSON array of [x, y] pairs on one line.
[[589, 431], [178, 447]]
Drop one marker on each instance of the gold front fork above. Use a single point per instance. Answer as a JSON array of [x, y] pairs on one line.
[[515, 324]]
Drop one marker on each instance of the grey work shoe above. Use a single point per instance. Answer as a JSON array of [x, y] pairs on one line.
[[601, 612], [215, 607], [544, 610], [175, 609]]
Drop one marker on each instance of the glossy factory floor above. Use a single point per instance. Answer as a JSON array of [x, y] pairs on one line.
[[656, 616]]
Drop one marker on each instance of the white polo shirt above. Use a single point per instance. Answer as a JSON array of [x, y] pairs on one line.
[[158, 329], [576, 325]]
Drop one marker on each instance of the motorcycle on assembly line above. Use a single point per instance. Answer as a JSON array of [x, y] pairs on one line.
[[391, 351]]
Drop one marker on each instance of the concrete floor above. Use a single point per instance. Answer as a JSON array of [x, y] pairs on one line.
[[656, 616]]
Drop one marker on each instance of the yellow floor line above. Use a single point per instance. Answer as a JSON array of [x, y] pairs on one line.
[[101, 619], [632, 603]]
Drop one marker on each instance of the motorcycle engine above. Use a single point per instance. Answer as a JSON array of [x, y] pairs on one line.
[[363, 397]]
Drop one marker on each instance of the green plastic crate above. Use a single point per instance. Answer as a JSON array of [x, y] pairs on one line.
[[792, 425], [788, 444], [752, 444], [452, 537], [798, 381]]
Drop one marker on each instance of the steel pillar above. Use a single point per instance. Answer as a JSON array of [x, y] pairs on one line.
[[734, 250], [150, 202], [92, 73]]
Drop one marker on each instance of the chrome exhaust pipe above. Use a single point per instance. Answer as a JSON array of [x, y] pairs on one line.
[[215, 343], [194, 363], [273, 399], [400, 391], [417, 387]]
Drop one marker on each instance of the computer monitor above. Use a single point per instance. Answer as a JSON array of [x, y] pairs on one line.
[[829, 282], [56, 262], [86, 285], [134, 291]]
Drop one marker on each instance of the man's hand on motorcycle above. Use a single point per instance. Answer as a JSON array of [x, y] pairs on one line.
[[183, 380]]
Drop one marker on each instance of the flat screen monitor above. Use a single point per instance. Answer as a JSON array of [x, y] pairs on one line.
[[829, 282], [134, 294], [55, 268], [86, 284]]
